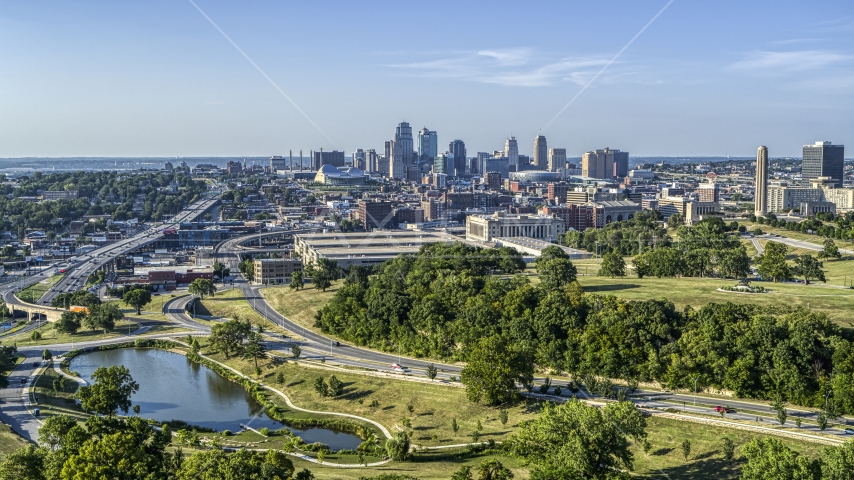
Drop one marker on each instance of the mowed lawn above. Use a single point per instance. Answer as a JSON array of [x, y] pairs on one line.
[[299, 306], [836, 302], [10, 441], [230, 303]]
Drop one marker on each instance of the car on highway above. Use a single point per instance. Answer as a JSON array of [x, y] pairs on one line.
[[720, 409], [849, 431], [398, 368]]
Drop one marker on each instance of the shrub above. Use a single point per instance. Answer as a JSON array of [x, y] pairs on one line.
[[264, 431]]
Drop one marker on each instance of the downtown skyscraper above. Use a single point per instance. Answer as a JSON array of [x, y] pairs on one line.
[[428, 145], [458, 150], [541, 152]]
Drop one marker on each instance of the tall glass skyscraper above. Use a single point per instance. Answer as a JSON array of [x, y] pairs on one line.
[[511, 151], [428, 145], [403, 139], [822, 159], [458, 150]]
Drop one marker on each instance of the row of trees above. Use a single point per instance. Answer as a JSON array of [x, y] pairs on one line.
[[98, 317], [443, 306]]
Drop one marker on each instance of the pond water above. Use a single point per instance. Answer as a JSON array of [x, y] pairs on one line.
[[173, 387]]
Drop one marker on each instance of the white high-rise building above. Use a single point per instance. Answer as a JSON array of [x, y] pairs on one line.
[[403, 140], [511, 151], [557, 159]]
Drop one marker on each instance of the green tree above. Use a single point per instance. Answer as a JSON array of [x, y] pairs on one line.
[[830, 250], [228, 337], [69, 322], [493, 470], [26, 463], [613, 265], [254, 347], [336, 387], [772, 262], [46, 355], [397, 448], [322, 272], [837, 463], [137, 298], [280, 378], [686, 449], [296, 351], [297, 280], [431, 371], [807, 267], [321, 387], [494, 367], [728, 449], [36, 335], [454, 425], [573, 440], [555, 273], [464, 473], [502, 416], [214, 465], [110, 391], [221, 270], [770, 459], [202, 287]]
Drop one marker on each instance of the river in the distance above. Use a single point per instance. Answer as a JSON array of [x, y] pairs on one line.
[[173, 387]]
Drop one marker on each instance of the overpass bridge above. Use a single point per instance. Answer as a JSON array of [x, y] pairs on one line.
[[99, 258]]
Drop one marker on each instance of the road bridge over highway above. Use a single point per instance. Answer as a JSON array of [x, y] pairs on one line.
[[89, 263]]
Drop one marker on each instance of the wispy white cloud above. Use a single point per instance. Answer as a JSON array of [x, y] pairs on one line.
[[510, 67], [771, 62], [794, 41]]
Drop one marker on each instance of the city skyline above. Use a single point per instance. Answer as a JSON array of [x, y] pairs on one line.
[[159, 80]]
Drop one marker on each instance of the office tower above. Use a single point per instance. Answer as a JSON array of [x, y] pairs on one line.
[[359, 159], [511, 151], [601, 163], [403, 140], [541, 152], [822, 159], [396, 166], [762, 181], [387, 146], [370, 160], [276, 163], [458, 151], [291, 159], [321, 158], [709, 192], [482, 157], [557, 159], [428, 145], [442, 163], [621, 163]]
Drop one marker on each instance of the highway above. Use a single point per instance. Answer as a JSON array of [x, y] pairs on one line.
[[347, 354], [86, 264]]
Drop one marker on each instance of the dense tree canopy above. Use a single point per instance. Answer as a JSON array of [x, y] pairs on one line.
[[441, 306], [574, 440]]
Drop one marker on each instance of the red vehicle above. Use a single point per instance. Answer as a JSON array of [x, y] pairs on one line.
[[720, 409], [169, 231], [61, 270]]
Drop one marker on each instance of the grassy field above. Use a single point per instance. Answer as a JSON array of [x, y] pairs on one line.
[[35, 291], [230, 303], [152, 311], [433, 405], [10, 441], [59, 402], [299, 306], [835, 302], [51, 336]]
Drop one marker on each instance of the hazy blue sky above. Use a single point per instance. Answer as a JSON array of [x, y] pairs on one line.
[[155, 78]]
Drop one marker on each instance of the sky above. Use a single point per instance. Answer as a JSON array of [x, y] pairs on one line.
[[158, 78]]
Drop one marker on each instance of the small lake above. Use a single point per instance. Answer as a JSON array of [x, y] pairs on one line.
[[173, 387]]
